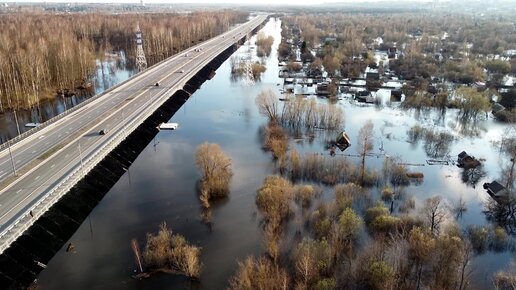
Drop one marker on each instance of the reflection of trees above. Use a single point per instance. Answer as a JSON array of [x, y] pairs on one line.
[[471, 176], [467, 127], [503, 212], [508, 147], [437, 145]]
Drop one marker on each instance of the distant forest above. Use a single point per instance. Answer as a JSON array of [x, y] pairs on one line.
[[42, 54]]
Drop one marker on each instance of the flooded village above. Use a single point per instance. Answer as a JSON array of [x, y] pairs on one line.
[[333, 149]]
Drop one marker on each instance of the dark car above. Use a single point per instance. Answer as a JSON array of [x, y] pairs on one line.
[[157, 84], [103, 132]]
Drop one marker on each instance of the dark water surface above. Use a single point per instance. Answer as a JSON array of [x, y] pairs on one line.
[[160, 185]]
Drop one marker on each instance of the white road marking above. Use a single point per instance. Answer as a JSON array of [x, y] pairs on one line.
[[17, 161], [42, 136], [33, 152], [18, 191], [66, 156], [53, 165], [37, 177]]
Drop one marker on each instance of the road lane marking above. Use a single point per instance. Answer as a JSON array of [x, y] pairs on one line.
[[53, 165], [34, 151], [17, 161], [37, 177], [41, 137], [18, 191]]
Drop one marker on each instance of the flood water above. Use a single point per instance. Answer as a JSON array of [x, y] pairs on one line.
[[108, 72], [161, 184]]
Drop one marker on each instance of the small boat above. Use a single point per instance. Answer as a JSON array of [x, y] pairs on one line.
[[32, 125], [168, 126]]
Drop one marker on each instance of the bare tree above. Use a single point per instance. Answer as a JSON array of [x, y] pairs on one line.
[[268, 104], [365, 144], [435, 212]]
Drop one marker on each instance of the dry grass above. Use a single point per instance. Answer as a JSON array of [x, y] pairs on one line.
[[169, 251], [416, 175], [327, 170]]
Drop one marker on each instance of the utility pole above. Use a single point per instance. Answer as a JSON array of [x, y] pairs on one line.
[[248, 61], [16, 120], [11, 155], [141, 62]]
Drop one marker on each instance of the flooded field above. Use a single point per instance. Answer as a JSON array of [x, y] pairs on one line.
[[161, 185]]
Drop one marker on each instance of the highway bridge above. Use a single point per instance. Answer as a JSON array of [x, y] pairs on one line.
[[52, 159]]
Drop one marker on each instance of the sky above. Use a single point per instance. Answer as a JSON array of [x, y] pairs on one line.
[[278, 2]]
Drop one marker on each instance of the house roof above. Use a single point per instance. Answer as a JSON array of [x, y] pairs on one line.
[[495, 187], [463, 154]]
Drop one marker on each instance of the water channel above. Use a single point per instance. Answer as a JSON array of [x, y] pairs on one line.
[[161, 184]]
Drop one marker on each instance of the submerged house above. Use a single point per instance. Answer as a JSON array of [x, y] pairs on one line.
[[364, 96], [495, 189], [466, 160], [342, 141], [396, 95], [323, 88], [373, 76]]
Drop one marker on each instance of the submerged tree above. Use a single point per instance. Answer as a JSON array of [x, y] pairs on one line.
[[365, 145], [215, 167], [435, 212], [166, 251], [268, 104]]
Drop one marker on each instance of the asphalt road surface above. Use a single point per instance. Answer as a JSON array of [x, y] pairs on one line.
[[77, 135]]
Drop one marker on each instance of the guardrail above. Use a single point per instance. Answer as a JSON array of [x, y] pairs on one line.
[[52, 120], [32, 214]]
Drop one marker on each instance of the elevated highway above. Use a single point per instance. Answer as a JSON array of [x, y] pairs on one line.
[[52, 159]]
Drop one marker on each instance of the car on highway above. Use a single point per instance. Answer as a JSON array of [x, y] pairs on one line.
[[182, 71], [103, 132], [156, 84]]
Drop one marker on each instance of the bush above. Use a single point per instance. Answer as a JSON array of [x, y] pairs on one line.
[[275, 140], [499, 239], [379, 275], [387, 194], [304, 194], [325, 284], [165, 250], [274, 197], [478, 236], [215, 167], [407, 205], [259, 273]]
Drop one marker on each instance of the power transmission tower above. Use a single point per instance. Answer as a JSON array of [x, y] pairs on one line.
[[248, 77], [141, 62]]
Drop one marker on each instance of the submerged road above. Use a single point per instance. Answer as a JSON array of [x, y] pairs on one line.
[[48, 158]]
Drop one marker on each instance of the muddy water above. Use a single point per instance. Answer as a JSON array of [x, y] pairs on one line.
[[161, 184]]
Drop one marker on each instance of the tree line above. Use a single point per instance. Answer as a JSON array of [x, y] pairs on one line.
[[42, 53]]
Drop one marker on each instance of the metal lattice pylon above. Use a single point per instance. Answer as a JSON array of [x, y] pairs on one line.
[[248, 77], [141, 62]]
